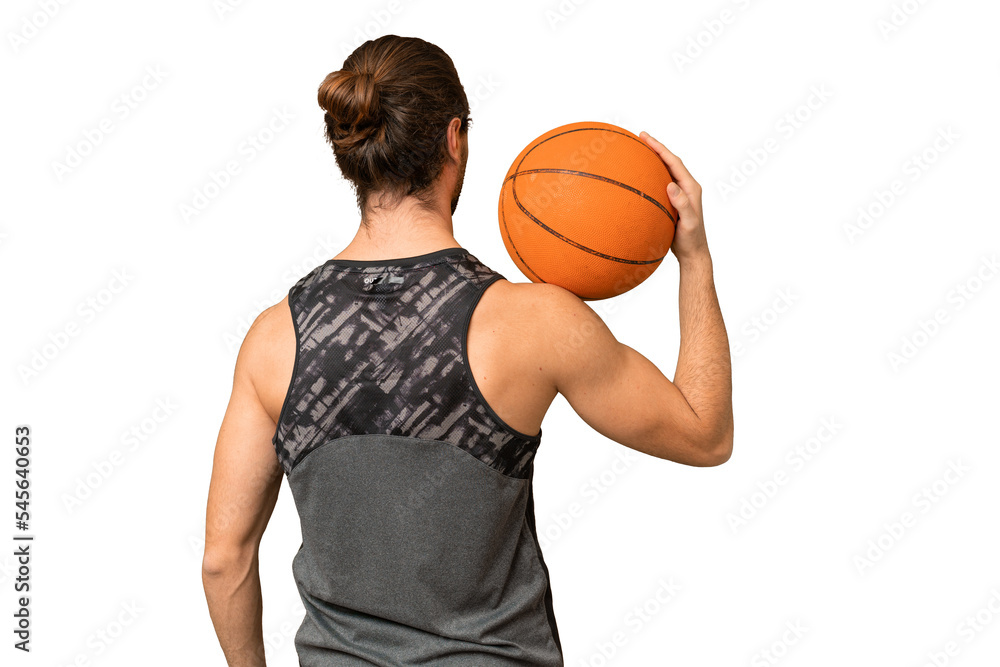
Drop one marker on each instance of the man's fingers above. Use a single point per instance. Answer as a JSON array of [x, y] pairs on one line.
[[678, 198], [674, 164]]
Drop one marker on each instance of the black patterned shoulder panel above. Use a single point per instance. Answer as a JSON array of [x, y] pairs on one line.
[[381, 349]]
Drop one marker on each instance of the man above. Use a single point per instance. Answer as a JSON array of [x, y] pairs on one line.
[[401, 388]]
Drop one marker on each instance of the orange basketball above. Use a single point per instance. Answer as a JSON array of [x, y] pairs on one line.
[[584, 206]]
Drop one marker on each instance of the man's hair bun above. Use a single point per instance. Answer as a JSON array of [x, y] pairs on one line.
[[352, 104]]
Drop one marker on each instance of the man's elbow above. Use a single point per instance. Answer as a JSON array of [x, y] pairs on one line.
[[220, 562], [723, 449], [717, 449], [719, 455]]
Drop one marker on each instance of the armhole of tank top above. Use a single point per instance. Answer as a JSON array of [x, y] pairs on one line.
[[291, 381], [468, 367]]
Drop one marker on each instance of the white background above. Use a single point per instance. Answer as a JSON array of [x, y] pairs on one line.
[[818, 311]]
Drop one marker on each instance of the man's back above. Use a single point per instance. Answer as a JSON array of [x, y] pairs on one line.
[[415, 498]]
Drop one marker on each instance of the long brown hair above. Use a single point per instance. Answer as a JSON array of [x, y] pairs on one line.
[[387, 115]]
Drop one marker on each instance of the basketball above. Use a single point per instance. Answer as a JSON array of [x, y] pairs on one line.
[[584, 206]]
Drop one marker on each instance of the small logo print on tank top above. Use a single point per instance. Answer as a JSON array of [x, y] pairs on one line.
[[383, 280]]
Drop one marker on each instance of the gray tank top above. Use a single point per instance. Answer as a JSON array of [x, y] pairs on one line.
[[415, 499]]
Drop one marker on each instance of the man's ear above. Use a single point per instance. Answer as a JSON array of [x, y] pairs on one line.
[[455, 139]]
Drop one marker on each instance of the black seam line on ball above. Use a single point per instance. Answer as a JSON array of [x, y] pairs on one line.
[[503, 218], [580, 245], [588, 129], [513, 190], [599, 178]]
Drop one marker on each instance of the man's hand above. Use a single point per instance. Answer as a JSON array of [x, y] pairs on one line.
[[685, 195]]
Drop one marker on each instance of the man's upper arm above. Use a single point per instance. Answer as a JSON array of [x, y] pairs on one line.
[[616, 390], [246, 474]]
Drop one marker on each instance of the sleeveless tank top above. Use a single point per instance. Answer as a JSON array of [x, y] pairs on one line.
[[414, 497]]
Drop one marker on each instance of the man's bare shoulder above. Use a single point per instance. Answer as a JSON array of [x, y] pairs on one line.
[[548, 328], [552, 308], [268, 354], [536, 299], [271, 328], [543, 314]]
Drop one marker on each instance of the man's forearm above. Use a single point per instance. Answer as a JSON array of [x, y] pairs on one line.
[[704, 368], [236, 607]]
